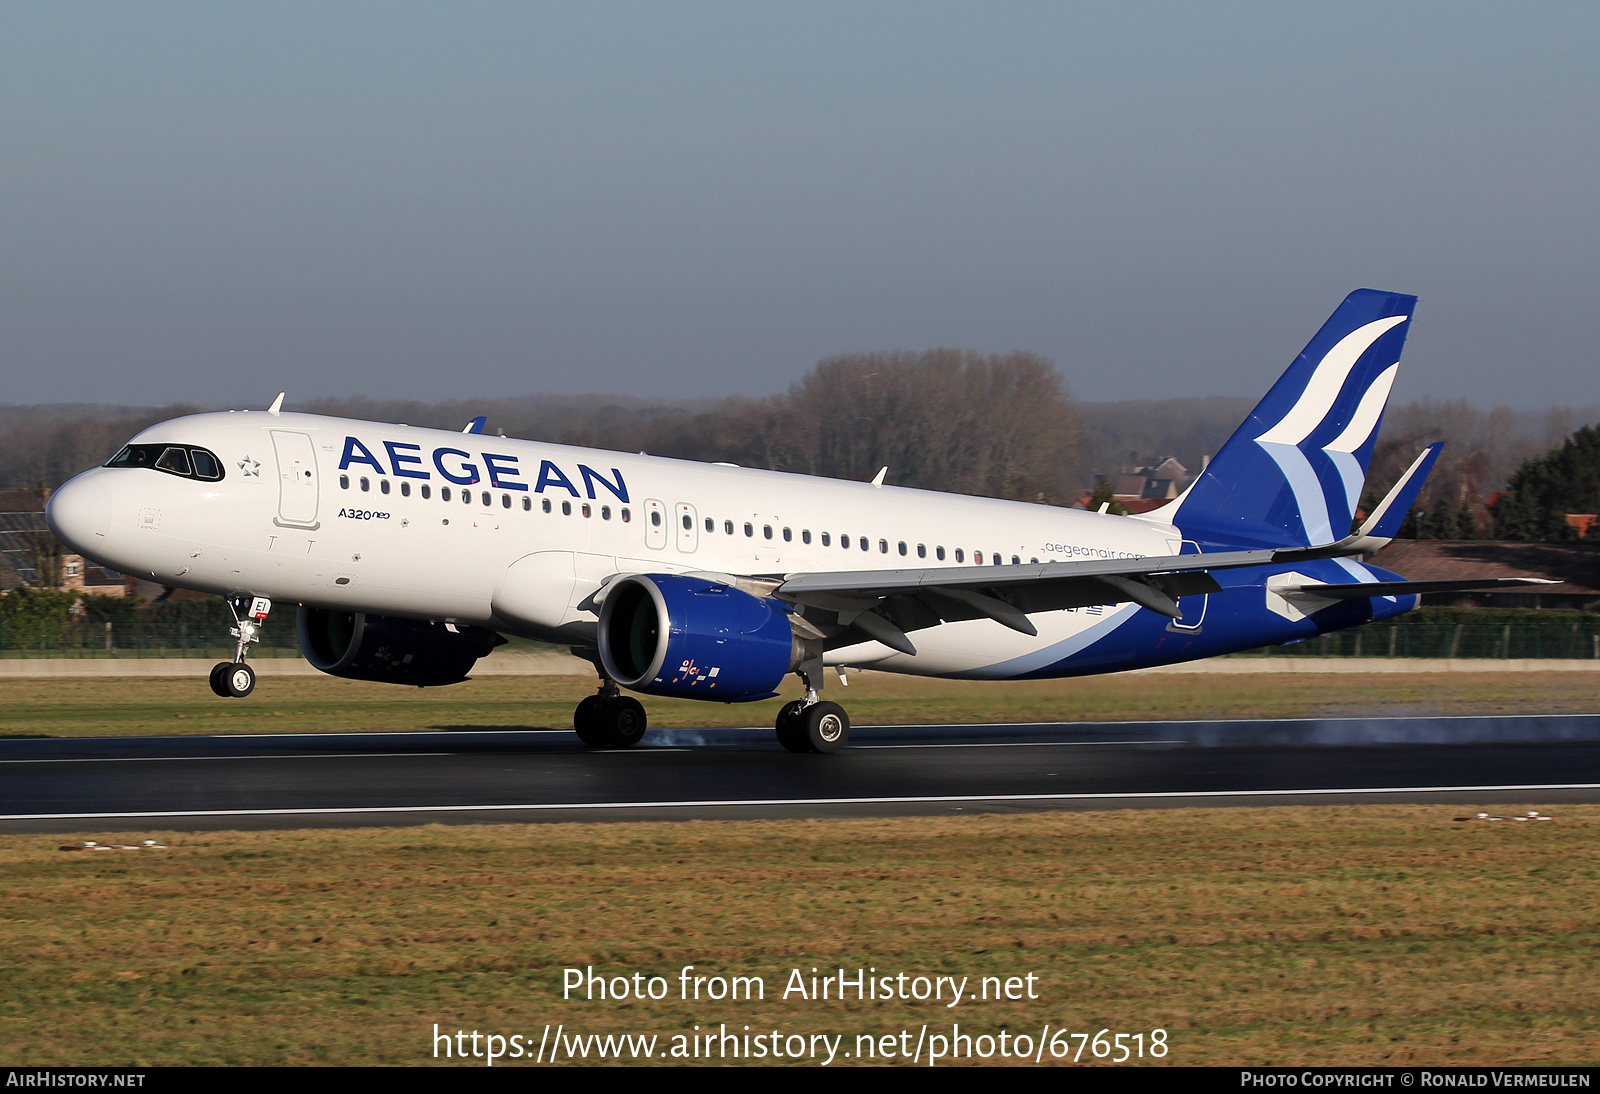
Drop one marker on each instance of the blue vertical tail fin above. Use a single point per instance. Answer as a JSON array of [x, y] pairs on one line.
[[1291, 475]]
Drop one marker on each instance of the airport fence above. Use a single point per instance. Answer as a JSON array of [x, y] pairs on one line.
[[43, 623], [46, 623], [1458, 633]]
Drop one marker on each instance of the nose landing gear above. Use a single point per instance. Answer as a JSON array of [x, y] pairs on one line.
[[235, 679]]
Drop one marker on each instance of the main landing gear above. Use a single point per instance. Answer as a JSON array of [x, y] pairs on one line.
[[235, 679], [810, 724], [609, 719]]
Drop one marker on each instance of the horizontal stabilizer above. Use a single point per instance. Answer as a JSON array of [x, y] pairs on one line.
[[1408, 588]]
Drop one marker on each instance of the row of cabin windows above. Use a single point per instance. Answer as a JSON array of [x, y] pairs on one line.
[[486, 498], [844, 541]]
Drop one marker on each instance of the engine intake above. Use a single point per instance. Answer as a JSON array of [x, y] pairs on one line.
[[668, 634], [390, 650]]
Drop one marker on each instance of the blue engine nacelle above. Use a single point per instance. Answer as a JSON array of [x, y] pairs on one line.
[[694, 638], [390, 650]]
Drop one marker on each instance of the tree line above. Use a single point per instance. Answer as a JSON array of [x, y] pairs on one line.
[[1000, 425]]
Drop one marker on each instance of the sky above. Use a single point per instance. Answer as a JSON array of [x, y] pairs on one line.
[[215, 202]]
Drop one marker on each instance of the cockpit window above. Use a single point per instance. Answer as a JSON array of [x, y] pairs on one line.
[[205, 465], [183, 460], [174, 459]]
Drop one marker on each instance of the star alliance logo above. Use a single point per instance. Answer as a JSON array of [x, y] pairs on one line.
[[251, 468]]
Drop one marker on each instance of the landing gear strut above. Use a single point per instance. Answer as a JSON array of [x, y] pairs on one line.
[[810, 724], [609, 719], [235, 679]]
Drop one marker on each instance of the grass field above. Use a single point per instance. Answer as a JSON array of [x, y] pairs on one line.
[[59, 707], [1350, 935]]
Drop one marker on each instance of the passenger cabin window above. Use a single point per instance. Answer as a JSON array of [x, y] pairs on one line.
[[366, 484], [766, 531], [383, 486], [938, 553], [427, 491], [865, 546], [844, 541], [902, 547], [959, 555], [527, 504], [586, 510], [883, 546], [711, 525], [805, 535], [344, 482], [505, 501], [187, 462], [655, 516], [688, 523], [444, 493], [922, 552], [749, 529], [825, 539], [605, 512], [626, 516], [405, 490], [566, 511], [544, 504], [727, 527]]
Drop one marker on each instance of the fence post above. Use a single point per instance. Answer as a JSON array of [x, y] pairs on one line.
[[1455, 641]]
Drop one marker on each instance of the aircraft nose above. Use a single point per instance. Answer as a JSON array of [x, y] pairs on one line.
[[80, 513]]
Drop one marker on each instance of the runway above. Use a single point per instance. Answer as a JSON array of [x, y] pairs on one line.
[[481, 774]]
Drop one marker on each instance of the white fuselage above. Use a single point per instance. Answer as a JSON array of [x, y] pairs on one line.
[[543, 526]]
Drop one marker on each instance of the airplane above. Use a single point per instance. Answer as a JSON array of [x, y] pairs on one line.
[[410, 552]]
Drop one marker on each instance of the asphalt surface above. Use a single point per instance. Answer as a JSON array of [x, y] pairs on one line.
[[475, 775]]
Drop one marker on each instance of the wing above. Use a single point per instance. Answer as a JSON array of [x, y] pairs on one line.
[[852, 606], [849, 606]]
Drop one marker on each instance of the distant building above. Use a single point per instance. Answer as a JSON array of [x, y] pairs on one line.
[[1139, 489], [27, 544], [1575, 566]]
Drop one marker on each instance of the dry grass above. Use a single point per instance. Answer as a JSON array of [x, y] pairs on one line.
[[141, 705], [1353, 935]]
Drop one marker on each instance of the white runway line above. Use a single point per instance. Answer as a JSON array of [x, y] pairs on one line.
[[734, 803], [1021, 744]]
